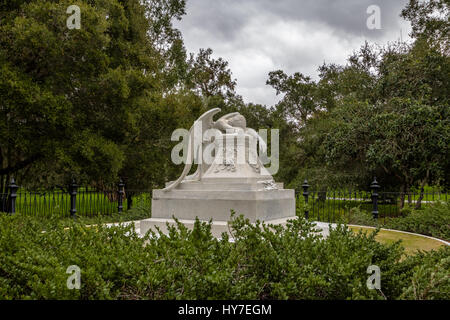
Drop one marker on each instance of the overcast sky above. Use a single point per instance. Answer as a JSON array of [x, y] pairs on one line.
[[259, 36]]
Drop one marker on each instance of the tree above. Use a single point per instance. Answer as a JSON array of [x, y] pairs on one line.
[[385, 112], [403, 139], [148, 161], [429, 21], [166, 39], [299, 94], [210, 77], [72, 99], [399, 130]]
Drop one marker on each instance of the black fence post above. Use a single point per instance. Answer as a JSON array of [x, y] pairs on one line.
[[305, 195], [73, 198], [120, 192], [375, 186], [12, 196]]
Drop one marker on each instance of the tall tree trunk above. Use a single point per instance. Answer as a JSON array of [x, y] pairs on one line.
[[402, 197], [422, 186], [408, 191], [419, 201]]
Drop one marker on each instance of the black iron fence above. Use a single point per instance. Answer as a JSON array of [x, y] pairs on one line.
[[332, 206], [72, 201], [328, 206], [4, 202]]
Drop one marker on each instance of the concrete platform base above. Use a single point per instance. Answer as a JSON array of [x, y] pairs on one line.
[[216, 200]]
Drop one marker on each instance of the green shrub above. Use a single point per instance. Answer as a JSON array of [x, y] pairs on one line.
[[360, 217], [431, 276], [262, 262], [433, 220], [406, 211]]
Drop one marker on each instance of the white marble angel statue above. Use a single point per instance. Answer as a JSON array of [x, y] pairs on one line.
[[230, 127]]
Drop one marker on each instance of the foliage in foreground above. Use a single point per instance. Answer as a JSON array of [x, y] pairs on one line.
[[262, 263]]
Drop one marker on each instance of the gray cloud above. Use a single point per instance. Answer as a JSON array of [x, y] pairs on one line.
[[258, 36], [345, 16]]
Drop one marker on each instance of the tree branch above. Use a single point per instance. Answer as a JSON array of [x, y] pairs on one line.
[[20, 165]]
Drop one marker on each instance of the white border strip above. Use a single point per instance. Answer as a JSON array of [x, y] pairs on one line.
[[406, 232]]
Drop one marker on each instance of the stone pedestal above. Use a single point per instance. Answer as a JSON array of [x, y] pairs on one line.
[[215, 201]]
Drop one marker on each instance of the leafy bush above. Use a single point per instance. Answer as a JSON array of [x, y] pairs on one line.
[[406, 211], [433, 220], [431, 276], [263, 262], [360, 217]]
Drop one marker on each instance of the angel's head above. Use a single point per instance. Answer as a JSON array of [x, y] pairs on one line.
[[238, 121]]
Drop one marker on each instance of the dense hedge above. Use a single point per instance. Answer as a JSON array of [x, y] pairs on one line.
[[432, 220], [262, 263]]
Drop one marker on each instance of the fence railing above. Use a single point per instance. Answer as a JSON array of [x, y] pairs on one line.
[[328, 206], [75, 201], [332, 206], [4, 202]]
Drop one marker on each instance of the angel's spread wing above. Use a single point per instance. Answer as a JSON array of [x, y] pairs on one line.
[[206, 121], [207, 118]]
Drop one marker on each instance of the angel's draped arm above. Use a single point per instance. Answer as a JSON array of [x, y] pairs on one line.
[[223, 125]]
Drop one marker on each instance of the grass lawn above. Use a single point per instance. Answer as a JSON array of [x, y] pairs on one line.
[[410, 242]]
